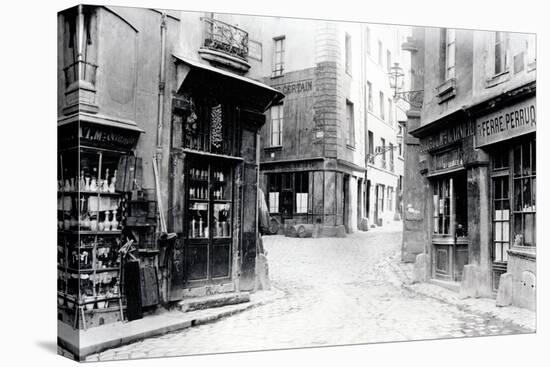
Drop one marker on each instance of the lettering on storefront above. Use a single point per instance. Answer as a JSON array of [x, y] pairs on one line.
[[507, 123], [448, 136], [295, 87], [107, 137]]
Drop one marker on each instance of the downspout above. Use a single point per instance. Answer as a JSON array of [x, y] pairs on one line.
[[162, 82], [158, 153]]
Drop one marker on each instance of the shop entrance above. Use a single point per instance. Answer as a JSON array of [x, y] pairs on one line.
[[209, 221], [450, 226]]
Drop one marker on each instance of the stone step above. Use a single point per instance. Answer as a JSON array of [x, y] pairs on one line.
[[452, 286], [216, 300]]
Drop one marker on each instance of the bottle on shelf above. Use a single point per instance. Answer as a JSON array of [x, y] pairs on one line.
[[192, 228], [200, 226], [105, 182], [113, 182], [114, 222], [93, 184], [107, 222], [81, 182], [87, 184]]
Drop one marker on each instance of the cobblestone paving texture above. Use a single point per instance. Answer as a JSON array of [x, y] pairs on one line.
[[338, 291]]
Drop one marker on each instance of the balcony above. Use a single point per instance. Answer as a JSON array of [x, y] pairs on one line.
[[80, 71], [80, 91], [225, 45]]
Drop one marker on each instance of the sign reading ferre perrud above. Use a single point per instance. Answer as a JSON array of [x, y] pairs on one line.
[[507, 123]]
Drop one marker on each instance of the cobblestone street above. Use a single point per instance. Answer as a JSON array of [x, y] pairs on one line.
[[337, 292]]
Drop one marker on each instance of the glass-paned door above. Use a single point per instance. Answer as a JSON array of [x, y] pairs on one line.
[[209, 220], [501, 218]]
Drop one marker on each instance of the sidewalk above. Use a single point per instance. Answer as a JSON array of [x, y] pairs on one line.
[[94, 340], [393, 225], [400, 274]]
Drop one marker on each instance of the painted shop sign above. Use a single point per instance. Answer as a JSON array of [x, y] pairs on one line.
[[448, 136], [107, 137], [507, 123], [295, 87], [448, 159]]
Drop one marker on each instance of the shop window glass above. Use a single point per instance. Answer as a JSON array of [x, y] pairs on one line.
[[301, 187], [274, 189], [442, 206], [501, 218], [524, 194]]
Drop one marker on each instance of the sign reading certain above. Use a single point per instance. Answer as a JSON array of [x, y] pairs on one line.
[[507, 123]]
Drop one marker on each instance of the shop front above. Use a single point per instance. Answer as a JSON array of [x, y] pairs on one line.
[[507, 133], [213, 178], [448, 165]]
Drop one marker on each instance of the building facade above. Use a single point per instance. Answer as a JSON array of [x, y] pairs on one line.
[[314, 146], [476, 170], [384, 138], [163, 98]]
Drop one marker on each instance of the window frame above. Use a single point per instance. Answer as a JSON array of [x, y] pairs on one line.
[[501, 48], [383, 155], [347, 53], [350, 122], [450, 49], [280, 125], [382, 106], [370, 101], [380, 53], [368, 40], [278, 59]]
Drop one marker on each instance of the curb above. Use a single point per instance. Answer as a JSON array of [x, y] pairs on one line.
[[80, 354], [406, 283]]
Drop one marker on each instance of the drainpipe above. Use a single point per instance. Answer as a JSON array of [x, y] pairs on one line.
[[158, 153], [162, 82]]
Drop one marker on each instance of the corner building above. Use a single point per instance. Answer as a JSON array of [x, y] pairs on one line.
[[476, 153], [314, 145]]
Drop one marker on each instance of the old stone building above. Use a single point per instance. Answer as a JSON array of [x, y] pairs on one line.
[[158, 125], [470, 208], [314, 147]]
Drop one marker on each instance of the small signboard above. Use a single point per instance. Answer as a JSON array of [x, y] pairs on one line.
[[506, 123]]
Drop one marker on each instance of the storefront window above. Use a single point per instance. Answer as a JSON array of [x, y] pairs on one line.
[[442, 206], [450, 206], [524, 181], [209, 220], [501, 219], [274, 189], [301, 187]]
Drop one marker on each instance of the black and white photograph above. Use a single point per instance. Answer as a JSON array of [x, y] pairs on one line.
[[278, 186], [232, 183]]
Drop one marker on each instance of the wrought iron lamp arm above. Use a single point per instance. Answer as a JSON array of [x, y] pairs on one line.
[[412, 97]]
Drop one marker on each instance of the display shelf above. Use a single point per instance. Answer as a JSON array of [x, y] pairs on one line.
[[116, 194], [86, 270], [89, 233]]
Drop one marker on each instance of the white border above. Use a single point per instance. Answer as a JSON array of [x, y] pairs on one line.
[[28, 181]]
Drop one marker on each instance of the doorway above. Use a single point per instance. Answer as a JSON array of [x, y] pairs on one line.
[[450, 226]]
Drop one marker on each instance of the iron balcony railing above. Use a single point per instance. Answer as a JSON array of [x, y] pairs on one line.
[[226, 38], [80, 70]]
